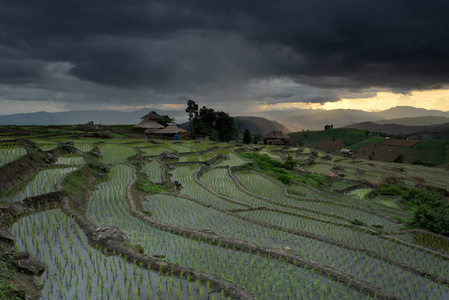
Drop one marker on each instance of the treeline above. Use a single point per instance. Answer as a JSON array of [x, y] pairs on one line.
[[218, 125]]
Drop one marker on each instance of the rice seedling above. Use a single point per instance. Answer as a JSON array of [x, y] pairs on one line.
[[71, 160], [399, 252], [264, 187], [233, 160], [99, 276], [152, 150], [42, 182], [153, 170], [112, 154], [112, 209], [45, 145], [9, 153], [312, 227], [184, 175]]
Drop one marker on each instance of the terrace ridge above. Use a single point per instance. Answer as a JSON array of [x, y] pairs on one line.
[[354, 282]]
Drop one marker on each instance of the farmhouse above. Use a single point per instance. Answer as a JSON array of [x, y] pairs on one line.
[[149, 122], [151, 116], [276, 138], [155, 130], [171, 131], [151, 126]]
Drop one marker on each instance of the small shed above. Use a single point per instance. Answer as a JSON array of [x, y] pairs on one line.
[[170, 131], [346, 151], [276, 138]]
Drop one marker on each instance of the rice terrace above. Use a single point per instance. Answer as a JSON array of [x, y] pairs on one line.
[[117, 216]]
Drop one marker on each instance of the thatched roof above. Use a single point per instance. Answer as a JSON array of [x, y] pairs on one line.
[[152, 115], [151, 124], [171, 129], [276, 135], [150, 130]]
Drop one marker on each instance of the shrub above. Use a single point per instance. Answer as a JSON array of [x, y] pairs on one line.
[[358, 222], [430, 211], [285, 178], [312, 179], [399, 159], [290, 162], [274, 168], [423, 163], [391, 189]]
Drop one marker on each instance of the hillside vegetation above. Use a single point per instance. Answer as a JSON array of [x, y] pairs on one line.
[[376, 146]]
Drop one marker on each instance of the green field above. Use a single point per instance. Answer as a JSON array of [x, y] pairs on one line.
[[350, 136], [369, 146], [223, 220]]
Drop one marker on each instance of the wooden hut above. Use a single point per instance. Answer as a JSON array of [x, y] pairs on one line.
[[276, 138], [149, 121], [170, 131]]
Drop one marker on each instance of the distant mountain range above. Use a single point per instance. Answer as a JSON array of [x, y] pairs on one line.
[[286, 121], [396, 129], [256, 125], [299, 119], [414, 121], [75, 117]]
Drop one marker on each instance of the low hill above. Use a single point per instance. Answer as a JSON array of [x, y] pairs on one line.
[[105, 117], [316, 119], [416, 121], [255, 125], [396, 129], [408, 112], [258, 125], [374, 146]]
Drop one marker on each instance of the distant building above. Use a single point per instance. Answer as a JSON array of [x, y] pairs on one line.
[[276, 138], [346, 151], [155, 130], [149, 123]]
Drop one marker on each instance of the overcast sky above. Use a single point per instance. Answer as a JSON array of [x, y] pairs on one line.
[[237, 56]]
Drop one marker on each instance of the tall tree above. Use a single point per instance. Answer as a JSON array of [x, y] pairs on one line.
[[192, 110], [246, 136], [207, 121], [225, 126], [208, 115], [164, 120]]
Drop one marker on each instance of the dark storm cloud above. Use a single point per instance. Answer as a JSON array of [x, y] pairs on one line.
[[186, 46]]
